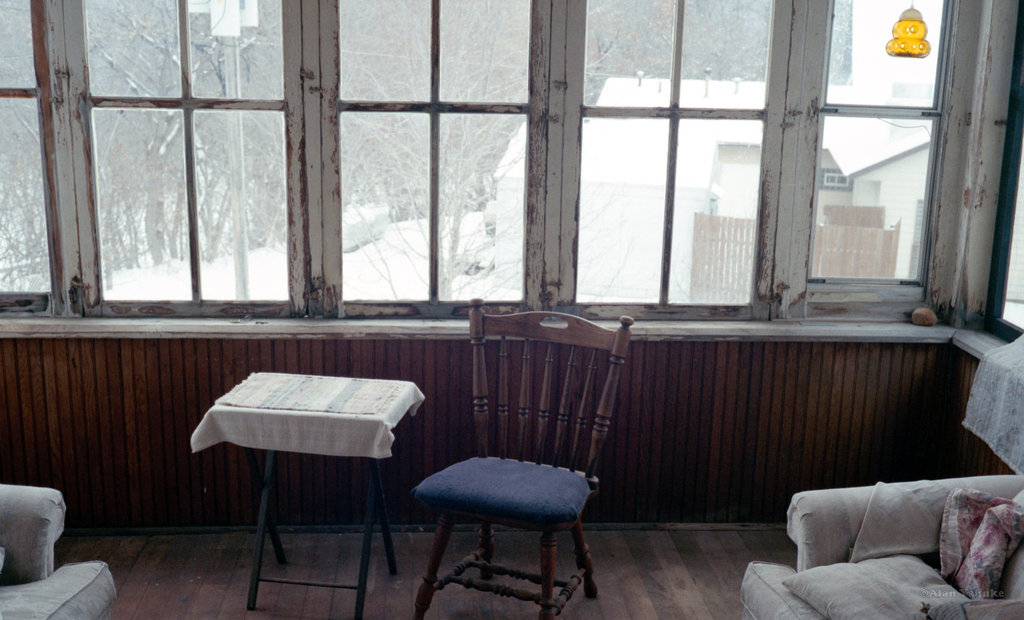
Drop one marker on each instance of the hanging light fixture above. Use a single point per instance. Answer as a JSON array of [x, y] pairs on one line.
[[908, 36]]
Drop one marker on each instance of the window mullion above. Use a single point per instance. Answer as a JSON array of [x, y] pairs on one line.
[[434, 190], [309, 249], [74, 176], [545, 282], [673, 149], [318, 228], [792, 128], [42, 24], [189, 146], [561, 94], [540, 199]]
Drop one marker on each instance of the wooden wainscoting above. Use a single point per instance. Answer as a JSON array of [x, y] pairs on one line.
[[705, 431]]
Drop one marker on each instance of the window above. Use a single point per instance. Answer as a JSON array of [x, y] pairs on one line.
[[24, 237], [433, 153], [673, 102], [189, 165], [1005, 308], [878, 138], [833, 178], [310, 158]]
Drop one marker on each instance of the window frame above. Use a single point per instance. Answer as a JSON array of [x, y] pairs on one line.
[[18, 303], [187, 103], [675, 113], [792, 117], [435, 108], [1007, 202], [890, 298]]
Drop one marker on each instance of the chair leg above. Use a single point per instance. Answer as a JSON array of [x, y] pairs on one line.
[[426, 591], [583, 561], [548, 559], [486, 549]]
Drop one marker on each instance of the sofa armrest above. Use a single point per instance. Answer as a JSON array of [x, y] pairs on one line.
[[31, 521], [824, 524]]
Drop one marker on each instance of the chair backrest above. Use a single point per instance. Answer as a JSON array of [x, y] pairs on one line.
[[581, 344]]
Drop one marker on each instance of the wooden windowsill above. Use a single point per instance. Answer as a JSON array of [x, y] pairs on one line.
[[387, 329], [976, 342]]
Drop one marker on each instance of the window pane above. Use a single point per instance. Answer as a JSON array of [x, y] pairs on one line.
[[1013, 309], [627, 41], [872, 181], [16, 64], [235, 49], [24, 262], [385, 50], [714, 226], [240, 189], [622, 206], [142, 212], [485, 47], [725, 53], [384, 212], [860, 70], [481, 207], [133, 48]]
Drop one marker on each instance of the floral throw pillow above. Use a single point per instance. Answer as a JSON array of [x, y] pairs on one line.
[[979, 531]]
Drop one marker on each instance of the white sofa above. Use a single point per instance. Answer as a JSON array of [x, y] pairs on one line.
[[825, 525], [31, 521]]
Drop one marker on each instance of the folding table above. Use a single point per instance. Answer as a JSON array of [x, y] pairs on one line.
[[333, 416]]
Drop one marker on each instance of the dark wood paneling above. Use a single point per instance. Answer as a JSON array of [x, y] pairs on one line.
[[704, 431]]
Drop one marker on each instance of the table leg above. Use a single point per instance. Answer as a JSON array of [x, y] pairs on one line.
[[260, 482], [382, 508], [368, 522], [263, 524]]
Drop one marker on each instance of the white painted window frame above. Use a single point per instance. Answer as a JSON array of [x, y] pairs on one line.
[[888, 299], [792, 117]]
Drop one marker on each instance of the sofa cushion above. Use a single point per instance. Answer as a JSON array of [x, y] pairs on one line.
[[72, 592], [1013, 572], [765, 598], [979, 531], [947, 611], [901, 519], [893, 587]]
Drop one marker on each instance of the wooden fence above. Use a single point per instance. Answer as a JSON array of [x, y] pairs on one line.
[[723, 259], [724, 247], [855, 251]]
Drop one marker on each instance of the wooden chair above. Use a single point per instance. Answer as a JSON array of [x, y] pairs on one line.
[[532, 483]]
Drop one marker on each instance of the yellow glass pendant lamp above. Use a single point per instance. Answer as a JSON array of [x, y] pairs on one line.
[[908, 36]]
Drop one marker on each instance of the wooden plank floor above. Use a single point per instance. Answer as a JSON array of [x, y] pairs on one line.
[[641, 574]]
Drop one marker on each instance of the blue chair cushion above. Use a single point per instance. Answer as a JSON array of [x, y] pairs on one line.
[[507, 489]]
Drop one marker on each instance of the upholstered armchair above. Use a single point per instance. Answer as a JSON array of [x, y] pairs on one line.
[[31, 521]]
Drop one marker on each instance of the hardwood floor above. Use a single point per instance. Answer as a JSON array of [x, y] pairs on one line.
[[641, 574]]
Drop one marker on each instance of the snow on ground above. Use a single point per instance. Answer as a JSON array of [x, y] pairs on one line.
[[393, 267], [170, 281]]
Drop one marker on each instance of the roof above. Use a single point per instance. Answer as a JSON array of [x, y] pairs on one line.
[[638, 148]]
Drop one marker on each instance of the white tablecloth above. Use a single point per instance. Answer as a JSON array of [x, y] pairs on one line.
[[335, 416]]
